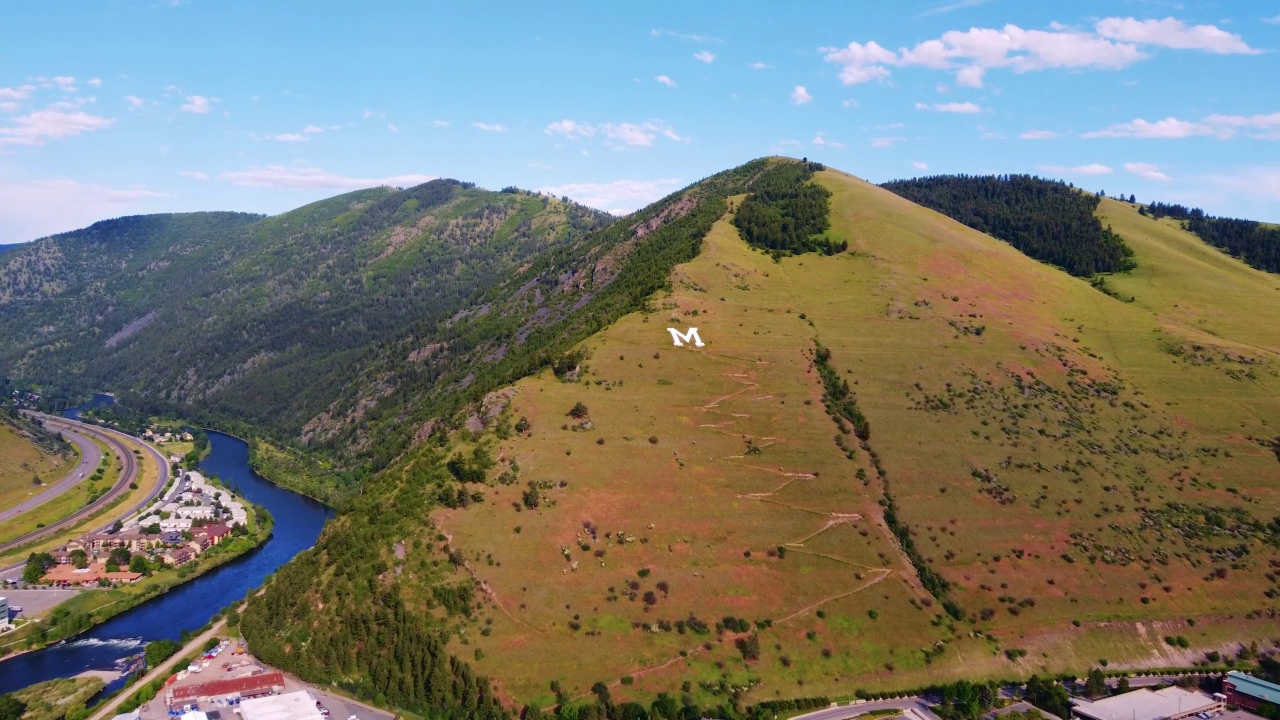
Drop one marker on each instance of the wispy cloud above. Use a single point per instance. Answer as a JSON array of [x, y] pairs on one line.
[[760, 66], [1147, 171], [50, 124], [194, 174], [1039, 135], [1090, 169], [134, 101], [1223, 127], [822, 140], [618, 196], [288, 137], [393, 128], [489, 127], [440, 123], [198, 104], [694, 37], [36, 208], [95, 82], [800, 96], [886, 142], [704, 56], [313, 179], [951, 107], [947, 7], [665, 80], [919, 165]]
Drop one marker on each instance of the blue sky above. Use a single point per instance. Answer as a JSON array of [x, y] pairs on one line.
[[117, 107]]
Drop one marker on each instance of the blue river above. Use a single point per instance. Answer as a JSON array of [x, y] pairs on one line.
[[298, 521]]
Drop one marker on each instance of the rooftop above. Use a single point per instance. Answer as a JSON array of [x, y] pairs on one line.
[[1171, 702], [290, 706], [1254, 687]]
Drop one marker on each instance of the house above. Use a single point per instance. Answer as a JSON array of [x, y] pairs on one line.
[[172, 537], [215, 532], [70, 576], [199, 544], [177, 557], [1249, 692]]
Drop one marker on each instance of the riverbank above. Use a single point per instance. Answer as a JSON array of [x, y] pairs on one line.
[[93, 607]]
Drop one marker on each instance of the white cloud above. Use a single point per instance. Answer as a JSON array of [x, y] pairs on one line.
[[1113, 44], [619, 196], [920, 165], [393, 128], [50, 124], [134, 101], [288, 137], [36, 208], [313, 179], [665, 80], [760, 66], [66, 83], [951, 107], [1147, 171], [312, 129], [440, 123], [16, 93], [800, 96], [638, 135], [198, 104], [194, 174], [886, 142], [489, 127], [570, 129], [1090, 169], [704, 56], [821, 139], [1172, 33], [95, 82], [1039, 135], [1167, 128], [373, 114], [848, 103], [1272, 20]]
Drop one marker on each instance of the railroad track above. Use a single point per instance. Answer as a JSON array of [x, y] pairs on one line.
[[128, 474]]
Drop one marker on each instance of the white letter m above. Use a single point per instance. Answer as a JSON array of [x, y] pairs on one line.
[[688, 337]]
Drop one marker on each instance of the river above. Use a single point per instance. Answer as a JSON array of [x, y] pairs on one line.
[[298, 521]]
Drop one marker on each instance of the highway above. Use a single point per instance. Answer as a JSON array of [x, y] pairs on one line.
[[90, 456], [130, 473], [913, 708]]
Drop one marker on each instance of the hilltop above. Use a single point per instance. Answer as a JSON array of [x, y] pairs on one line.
[[908, 453]]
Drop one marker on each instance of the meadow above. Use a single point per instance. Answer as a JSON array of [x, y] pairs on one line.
[[1072, 475], [22, 464]]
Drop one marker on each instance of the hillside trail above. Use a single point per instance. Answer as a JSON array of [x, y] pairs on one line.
[[485, 588]]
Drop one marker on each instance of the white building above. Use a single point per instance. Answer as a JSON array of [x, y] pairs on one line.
[[299, 705], [1171, 703]]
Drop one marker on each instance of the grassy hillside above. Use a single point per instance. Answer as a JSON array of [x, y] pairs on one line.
[[29, 458], [1025, 476]]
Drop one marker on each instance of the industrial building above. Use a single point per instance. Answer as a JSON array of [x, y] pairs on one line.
[[299, 705], [1171, 703]]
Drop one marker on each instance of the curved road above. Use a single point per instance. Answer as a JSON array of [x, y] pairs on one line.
[[114, 439], [90, 456]]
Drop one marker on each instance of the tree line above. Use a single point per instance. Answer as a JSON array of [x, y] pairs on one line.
[[1247, 240], [1045, 219]]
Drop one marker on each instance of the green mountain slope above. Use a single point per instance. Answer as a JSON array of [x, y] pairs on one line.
[[926, 457], [265, 321]]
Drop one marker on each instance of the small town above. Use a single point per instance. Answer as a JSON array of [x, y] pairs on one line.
[[196, 516]]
